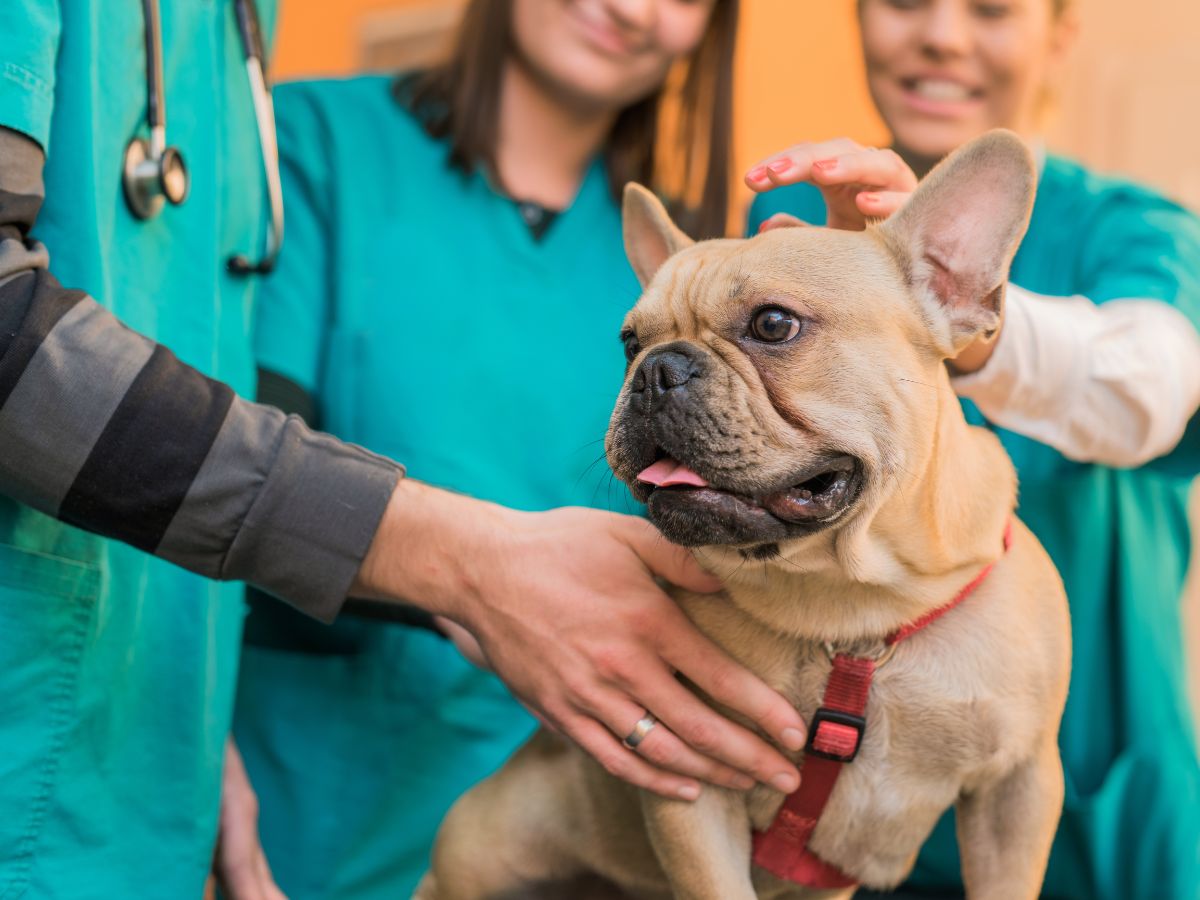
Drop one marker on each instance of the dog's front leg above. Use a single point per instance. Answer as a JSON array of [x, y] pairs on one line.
[[1005, 829], [703, 846]]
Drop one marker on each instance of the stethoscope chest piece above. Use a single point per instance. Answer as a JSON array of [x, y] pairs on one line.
[[153, 172], [150, 179]]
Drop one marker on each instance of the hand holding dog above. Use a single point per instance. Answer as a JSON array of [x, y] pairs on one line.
[[566, 611]]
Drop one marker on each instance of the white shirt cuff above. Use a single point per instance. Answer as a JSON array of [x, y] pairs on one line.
[[1115, 383]]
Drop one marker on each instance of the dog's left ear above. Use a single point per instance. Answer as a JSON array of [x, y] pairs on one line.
[[650, 235], [958, 233]]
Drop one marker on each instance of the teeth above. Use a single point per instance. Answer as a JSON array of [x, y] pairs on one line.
[[942, 91]]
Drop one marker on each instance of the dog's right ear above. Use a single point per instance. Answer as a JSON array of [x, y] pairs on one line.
[[650, 235]]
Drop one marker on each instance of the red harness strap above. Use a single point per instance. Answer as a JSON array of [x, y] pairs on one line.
[[835, 736]]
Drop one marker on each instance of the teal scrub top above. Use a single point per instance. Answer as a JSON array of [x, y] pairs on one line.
[[414, 303], [117, 670], [1121, 540]]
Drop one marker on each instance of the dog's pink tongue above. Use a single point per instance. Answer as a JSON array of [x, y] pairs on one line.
[[667, 472]]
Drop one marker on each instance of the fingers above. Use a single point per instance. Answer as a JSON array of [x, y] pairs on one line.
[[703, 730], [622, 763], [240, 866], [238, 882], [730, 684], [664, 750], [706, 732], [882, 170], [794, 165], [270, 889], [670, 561], [880, 204], [781, 220], [245, 875], [879, 180]]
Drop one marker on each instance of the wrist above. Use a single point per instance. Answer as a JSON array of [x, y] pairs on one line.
[[427, 550]]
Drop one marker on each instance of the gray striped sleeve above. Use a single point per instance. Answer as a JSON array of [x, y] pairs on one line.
[[107, 430], [297, 525], [51, 419]]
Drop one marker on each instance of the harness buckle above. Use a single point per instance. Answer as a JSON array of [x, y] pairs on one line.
[[835, 735], [880, 659]]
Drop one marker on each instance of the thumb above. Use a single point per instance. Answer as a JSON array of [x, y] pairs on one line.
[[670, 561], [781, 220]]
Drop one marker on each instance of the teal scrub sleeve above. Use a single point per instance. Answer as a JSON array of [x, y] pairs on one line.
[[294, 313], [29, 33], [1143, 246], [108, 431]]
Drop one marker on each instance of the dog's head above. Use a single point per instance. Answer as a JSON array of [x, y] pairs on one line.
[[779, 386]]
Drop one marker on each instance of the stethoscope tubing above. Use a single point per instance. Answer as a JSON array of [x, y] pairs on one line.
[[156, 101], [264, 116], [144, 176]]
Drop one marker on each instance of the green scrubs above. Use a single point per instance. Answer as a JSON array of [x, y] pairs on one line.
[[415, 304], [117, 670], [1121, 539]]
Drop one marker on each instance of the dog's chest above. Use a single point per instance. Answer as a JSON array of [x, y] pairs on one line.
[[940, 715], [934, 726]]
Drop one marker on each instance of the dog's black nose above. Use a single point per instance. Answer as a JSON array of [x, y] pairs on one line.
[[661, 372]]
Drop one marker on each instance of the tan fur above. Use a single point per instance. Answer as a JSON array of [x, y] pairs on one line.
[[966, 713]]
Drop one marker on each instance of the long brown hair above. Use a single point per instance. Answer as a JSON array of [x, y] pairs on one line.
[[677, 141]]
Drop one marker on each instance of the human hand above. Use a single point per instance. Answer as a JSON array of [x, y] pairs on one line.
[[975, 355], [239, 864], [858, 183], [566, 611]]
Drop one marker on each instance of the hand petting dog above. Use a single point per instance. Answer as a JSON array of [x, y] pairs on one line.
[[858, 183]]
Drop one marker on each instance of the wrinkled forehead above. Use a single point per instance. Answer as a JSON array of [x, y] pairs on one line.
[[831, 275]]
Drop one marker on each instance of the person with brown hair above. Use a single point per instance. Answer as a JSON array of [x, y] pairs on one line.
[[1092, 385], [450, 294]]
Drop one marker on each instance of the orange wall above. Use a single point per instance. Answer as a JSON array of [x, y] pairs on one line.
[[798, 76], [315, 38]]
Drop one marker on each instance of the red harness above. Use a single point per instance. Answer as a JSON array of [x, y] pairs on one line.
[[835, 736]]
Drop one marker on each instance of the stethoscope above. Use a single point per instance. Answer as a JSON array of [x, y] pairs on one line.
[[155, 172]]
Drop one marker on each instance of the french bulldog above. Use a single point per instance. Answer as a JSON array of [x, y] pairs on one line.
[[787, 411]]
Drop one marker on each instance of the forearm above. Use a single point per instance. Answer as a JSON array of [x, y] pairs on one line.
[[106, 429], [1115, 383]]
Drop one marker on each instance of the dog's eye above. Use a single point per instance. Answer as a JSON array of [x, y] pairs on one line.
[[632, 347], [773, 325]]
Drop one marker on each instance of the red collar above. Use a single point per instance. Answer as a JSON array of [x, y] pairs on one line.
[[834, 738]]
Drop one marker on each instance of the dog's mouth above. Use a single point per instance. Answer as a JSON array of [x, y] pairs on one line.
[[693, 511]]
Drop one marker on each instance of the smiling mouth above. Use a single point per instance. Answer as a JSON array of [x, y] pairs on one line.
[[940, 90], [817, 497], [601, 34]]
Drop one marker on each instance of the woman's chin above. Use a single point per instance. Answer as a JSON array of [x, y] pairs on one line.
[[930, 140]]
